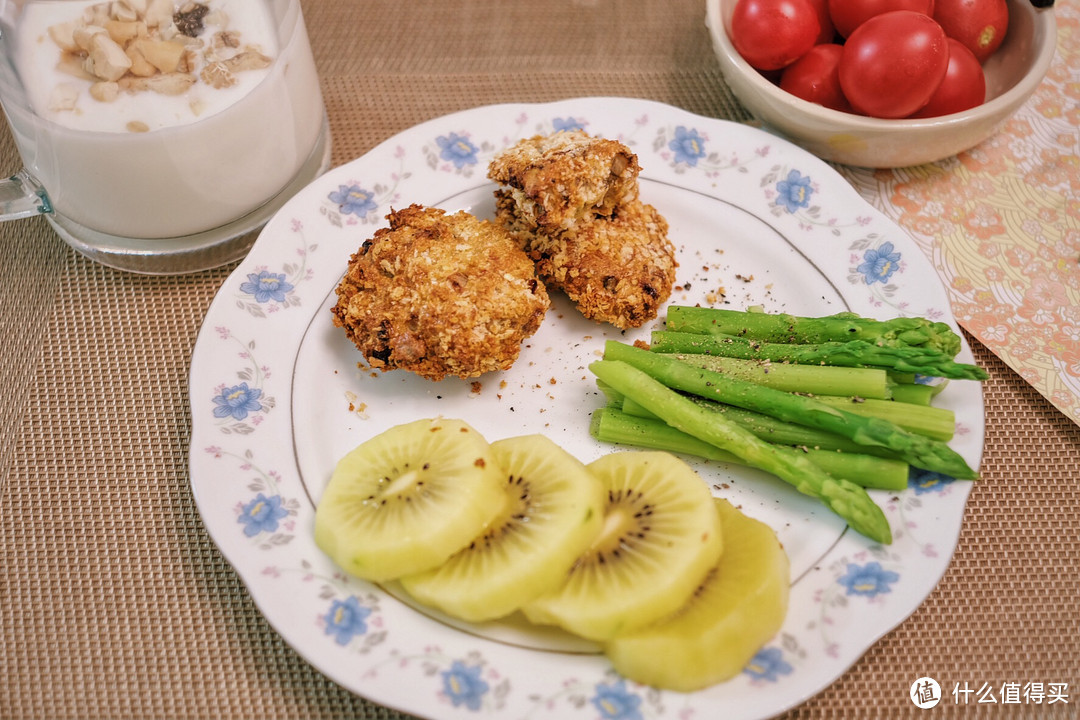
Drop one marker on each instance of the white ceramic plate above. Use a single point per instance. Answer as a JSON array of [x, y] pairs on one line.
[[277, 397]]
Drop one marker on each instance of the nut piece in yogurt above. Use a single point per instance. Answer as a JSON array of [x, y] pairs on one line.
[[105, 59], [63, 97], [222, 73]]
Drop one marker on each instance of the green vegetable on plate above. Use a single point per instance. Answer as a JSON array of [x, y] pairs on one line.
[[918, 450], [849, 354], [846, 499], [841, 327], [615, 426]]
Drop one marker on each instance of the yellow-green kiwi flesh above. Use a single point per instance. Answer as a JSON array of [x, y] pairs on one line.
[[661, 535], [409, 498], [554, 511]]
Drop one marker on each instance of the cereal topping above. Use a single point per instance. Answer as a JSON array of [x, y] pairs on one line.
[[133, 46], [189, 19]]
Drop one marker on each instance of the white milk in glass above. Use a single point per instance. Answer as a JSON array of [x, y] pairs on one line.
[[151, 155]]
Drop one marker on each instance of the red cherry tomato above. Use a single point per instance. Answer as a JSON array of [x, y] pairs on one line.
[[893, 63], [963, 88], [850, 14], [771, 34], [814, 77], [827, 33], [979, 24]]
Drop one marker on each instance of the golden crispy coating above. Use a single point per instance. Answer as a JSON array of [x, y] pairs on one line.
[[561, 178], [618, 270], [439, 295]]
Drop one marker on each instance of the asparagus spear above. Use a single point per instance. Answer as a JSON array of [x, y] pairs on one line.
[[935, 422], [776, 431], [850, 354], [845, 498], [770, 429], [915, 449], [815, 379], [818, 379], [784, 328], [913, 394], [614, 426], [906, 388]]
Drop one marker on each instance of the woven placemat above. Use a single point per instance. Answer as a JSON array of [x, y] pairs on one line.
[[115, 603]]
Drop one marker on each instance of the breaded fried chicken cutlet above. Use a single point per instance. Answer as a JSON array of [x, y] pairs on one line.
[[616, 269], [440, 294], [559, 179], [584, 225]]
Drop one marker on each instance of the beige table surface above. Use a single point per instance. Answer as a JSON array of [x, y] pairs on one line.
[[115, 603]]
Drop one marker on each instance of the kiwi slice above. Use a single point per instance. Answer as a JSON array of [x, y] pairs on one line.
[[554, 511], [408, 499], [741, 604], [661, 536]]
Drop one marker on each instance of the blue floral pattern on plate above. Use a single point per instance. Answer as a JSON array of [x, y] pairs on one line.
[[246, 473], [457, 149], [464, 685], [267, 517], [687, 149], [879, 264], [346, 619], [241, 406], [794, 192], [768, 664], [688, 146], [237, 402], [868, 580], [262, 515], [615, 702], [456, 153], [264, 292], [356, 201], [353, 200], [265, 286], [567, 124]]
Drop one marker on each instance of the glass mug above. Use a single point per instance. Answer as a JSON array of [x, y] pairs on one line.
[[142, 170]]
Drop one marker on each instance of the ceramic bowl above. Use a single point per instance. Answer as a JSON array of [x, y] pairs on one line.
[[1012, 74]]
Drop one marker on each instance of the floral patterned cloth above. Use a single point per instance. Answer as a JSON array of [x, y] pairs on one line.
[[1001, 225]]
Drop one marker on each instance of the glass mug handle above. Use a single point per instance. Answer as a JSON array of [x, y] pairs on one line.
[[21, 196]]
